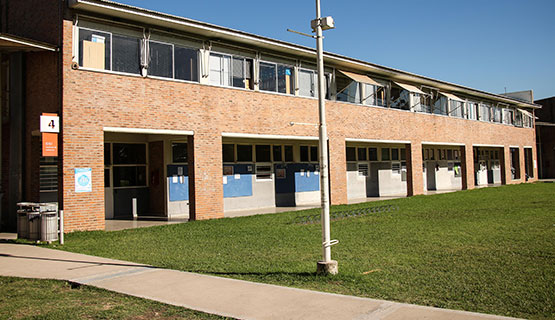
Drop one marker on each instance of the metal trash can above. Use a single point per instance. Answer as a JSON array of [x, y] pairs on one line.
[[34, 225], [49, 226], [22, 224]]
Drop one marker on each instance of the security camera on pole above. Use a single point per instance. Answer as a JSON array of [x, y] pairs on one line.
[[326, 266]]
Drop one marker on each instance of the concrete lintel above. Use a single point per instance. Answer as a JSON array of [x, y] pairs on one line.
[[377, 141], [149, 131], [431, 143], [267, 136]]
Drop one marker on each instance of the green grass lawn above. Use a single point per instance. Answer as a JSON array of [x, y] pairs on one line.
[[490, 250], [51, 299]]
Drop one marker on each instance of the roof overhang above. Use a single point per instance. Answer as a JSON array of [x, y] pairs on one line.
[[10, 43], [217, 33]]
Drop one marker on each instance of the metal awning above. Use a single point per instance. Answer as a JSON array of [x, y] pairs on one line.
[[361, 78], [527, 113], [10, 43], [409, 88], [451, 96]]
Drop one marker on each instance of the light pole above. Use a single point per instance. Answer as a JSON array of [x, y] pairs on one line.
[[326, 265]]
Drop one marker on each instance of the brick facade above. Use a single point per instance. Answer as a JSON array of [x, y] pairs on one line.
[[93, 100]]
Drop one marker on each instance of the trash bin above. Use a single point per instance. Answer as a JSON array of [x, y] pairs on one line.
[[34, 225], [49, 226], [22, 224]]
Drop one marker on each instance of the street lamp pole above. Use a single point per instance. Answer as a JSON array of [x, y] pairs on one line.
[[326, 265]]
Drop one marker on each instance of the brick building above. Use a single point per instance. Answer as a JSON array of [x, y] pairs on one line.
[[545, 133], [179, 118]]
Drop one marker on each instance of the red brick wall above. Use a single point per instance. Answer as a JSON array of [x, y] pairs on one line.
[[93, 100]]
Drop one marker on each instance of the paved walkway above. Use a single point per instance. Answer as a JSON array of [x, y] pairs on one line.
[[226, 297]]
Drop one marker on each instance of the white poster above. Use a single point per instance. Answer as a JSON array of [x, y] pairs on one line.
[[83, 180]]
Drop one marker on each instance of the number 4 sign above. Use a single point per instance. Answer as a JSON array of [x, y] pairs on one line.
[[49, 123]]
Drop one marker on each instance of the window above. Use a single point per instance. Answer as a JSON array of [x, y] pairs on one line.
[[304, 154], [440, 105], [263, 172], [485, 112], [244, 153], [373, 154], [363, 169], [518, 119], [421, 103], [242, 73], [496, 114], [362, 154], [456, 108], [373, 95], [314, 154], [403, 153], [179, 152], [394, 154], [276, 77], [400, 98], [129, 153], [95, 49], [508, 115], [347, 90], [129, 176], [308, 83], [288, 153], [186, 63], [351, 154], [263, 153], [472, 110], [220, 69], [228, 152], [276, 152], [107, 154], [449, 154], [161, 59], [528, 163], [126, 54], [106, 178], [385, 154]]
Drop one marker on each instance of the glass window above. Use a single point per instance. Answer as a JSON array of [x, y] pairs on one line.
[[351, 154], [449, 154], [129, 153], [496, 114], [440, 105], [244, 153], [220, 70], [161, 60], [186, 63], [456, 108], [347, 90], [288, 153], [263, 153], [179, 152], [508, 116], [373, 95], [276, 150], [129, 176], [228, 152], [314, 154], [106, 178], [373, 154], [485, 114], [362, 154], [268, 76], [400, 98], [363, 169], [126, 54], [263, 172], [472, 110], [304, 154], [286, 83], [107, 154], [421, 102], [515, 163], [403, 154], [307, 83], [94, 49], [385, 154], [394, 154]]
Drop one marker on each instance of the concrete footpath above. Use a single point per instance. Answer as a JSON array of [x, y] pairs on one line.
[[221, 296]]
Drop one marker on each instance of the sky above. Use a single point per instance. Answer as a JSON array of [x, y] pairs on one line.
[[490, 45]]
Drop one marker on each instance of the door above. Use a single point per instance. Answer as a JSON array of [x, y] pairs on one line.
[[431, 175], [108, 195], [490, 171], [373, 180]]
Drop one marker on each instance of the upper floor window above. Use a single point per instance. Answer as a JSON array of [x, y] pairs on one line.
[[109, 51], [308, 83], [472, 110], [508, 115], [485, 112], [276, 77], [496, 114], [231, 71]]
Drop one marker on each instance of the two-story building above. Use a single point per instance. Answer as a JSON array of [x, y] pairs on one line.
[[171, 117]]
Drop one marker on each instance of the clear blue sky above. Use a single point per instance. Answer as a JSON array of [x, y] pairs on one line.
[[483, 44]]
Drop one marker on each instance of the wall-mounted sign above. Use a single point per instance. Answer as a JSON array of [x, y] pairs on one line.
[[83, 180], [49, 144], [49, 123]]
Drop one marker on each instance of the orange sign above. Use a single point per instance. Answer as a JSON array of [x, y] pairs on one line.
[[49, 144]]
